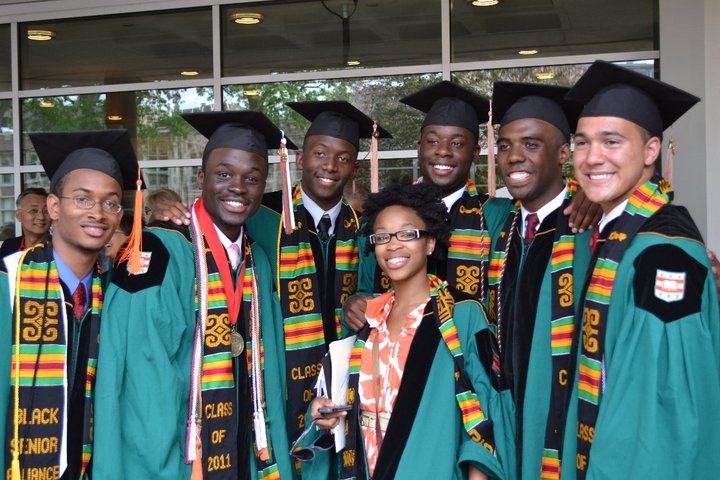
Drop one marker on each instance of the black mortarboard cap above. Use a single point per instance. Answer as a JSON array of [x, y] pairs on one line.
[[337, 119], [246, 130], [514, 101], [446, 103], [608, 90], [107, 151]]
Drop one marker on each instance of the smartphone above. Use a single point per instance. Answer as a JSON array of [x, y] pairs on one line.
[[336, 409]]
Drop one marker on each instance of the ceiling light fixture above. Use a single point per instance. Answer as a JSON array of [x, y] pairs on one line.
[[245, 18], [528, 52], [40, 35], [484, 3], [114, 118], [353, 63], [46, 104], [189, 73], [545, 75], [252, 92]]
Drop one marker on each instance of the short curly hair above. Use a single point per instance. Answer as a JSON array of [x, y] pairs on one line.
[[424, 199]]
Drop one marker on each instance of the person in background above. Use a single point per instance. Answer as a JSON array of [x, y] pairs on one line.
[[32, 213], [356, 193], [156, 201]]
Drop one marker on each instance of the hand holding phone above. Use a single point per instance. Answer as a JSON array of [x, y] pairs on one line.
[[335, 409]]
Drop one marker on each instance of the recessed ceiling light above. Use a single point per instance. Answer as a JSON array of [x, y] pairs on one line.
[[252, 92], [484, 3], [545, 75], [528, 52], [189, 73], [40, 35], [245, 18], [353, 63], [46, 104], [114, 118]]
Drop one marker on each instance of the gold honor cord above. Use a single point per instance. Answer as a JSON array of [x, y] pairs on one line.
[[15, 465]]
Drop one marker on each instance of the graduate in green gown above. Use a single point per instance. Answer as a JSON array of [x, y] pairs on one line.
[[421, 377], [645, 395], [191, 373], [52, 298], [537, 264], [447, 150], [315, 265]]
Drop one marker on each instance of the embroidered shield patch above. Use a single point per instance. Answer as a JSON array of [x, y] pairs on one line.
[[669, 286], [144, 262]]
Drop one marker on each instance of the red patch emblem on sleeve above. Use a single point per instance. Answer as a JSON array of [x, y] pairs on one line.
[[670, 286]]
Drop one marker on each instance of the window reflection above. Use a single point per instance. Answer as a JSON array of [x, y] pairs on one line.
[[7, 207], [142, 47], [6, 133], [5, 58], [310, 35]]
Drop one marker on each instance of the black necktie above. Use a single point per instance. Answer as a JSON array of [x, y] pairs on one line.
[[323, 228]]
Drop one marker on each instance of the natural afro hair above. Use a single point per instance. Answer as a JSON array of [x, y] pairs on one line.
[[424, 199]]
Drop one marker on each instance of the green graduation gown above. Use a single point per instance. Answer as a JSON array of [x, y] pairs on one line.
[[526, 357], [425, 437], [659, 415], [144, 367], [5, 351]]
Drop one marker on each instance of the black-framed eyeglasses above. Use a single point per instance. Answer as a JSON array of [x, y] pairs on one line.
[[86, 203], [402, 235]]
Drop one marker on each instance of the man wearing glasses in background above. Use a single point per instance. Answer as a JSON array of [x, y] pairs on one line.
[[33, 216]]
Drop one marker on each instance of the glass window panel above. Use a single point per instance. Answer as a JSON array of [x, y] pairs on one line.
[[295, 36], [182, 180], [6, 134], [5, 77], [151, 116], [377, 96], [552, 27], [7, 206], [142, 47]]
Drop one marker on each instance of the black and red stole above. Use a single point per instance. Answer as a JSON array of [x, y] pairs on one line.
[[213, 417], [39, 397], [642, 204], [302, 299]]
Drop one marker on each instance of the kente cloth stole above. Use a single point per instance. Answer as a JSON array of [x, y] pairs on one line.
[[301, 299], [644, 202], [40, 316], [496, 272], [211, 441], [476, 424], [561, 335]]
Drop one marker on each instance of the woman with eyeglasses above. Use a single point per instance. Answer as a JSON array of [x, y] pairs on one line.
[[422, 382]]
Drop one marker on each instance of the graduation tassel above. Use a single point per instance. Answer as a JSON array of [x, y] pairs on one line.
[[197, 469], [133, 246], [374, 167], [491, 154], [288, 213], [669, 164]]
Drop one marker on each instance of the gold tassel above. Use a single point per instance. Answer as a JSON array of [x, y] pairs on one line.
[[670, 163], [133, 246], [374, 167], [492, 182], [15, 465]]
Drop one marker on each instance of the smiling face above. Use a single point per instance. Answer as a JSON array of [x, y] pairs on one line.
[[232, 185], [33, 215], [613, 157], [327, 165], [402, 260], [446, 155], [531, 153], [77, 229]]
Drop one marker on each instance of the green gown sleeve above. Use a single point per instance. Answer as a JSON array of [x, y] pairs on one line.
[[475, 338], [5, 352], [659, 415], [143, 375]]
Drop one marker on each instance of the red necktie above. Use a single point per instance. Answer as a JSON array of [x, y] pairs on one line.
[[79, 298], [532, 223], [594, 239]]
